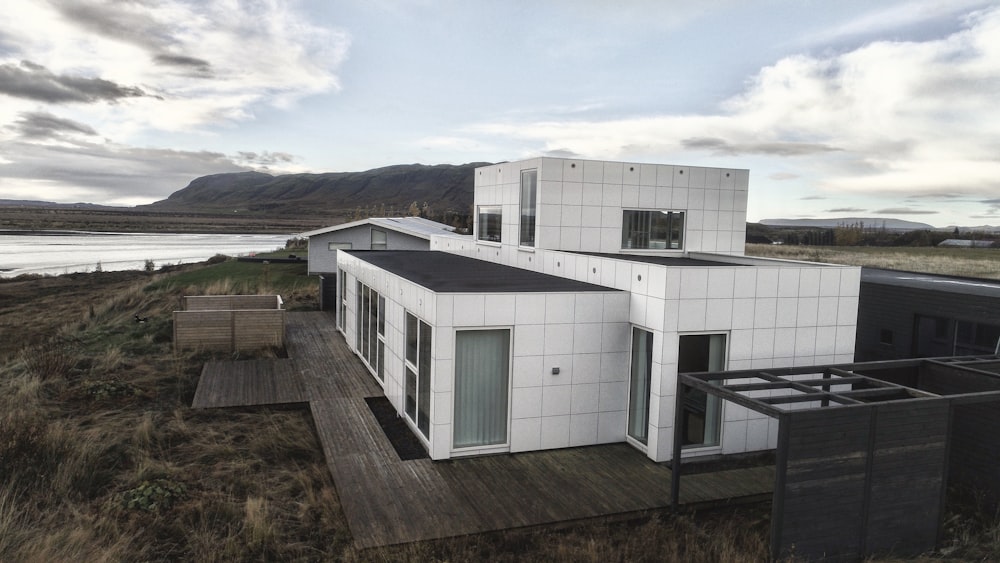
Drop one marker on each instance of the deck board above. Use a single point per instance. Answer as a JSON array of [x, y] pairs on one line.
[[389, 501]]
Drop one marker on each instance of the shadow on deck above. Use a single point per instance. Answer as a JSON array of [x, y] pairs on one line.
[[389, 501]]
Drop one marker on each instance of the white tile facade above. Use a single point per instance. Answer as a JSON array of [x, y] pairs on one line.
[[580, 202], [568, 331], [775, 313]]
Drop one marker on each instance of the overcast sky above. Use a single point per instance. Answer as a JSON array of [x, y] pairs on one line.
[[846, 108]]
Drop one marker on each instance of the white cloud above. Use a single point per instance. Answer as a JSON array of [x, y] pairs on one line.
[[128, 71], [890, 118]]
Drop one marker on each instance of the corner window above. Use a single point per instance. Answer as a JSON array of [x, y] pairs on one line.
[[489, 223], [418, 373], [653, 230], [379, 240], [529, 190]]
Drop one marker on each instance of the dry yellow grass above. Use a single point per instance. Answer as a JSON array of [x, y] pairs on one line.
[[102, 459], [971, 262]]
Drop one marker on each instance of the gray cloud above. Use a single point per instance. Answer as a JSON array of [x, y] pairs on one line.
[[108, 172], [41, 125], [562, 153], [265, 158], [812, 197], [723, 147], [196, 66], [122, 21], [35, 82], [846, 210], [904, 211], [781, 176]]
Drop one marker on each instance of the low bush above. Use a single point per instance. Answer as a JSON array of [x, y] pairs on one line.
[[153, 496]]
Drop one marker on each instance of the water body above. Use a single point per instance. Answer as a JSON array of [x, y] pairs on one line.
[[60, 252]]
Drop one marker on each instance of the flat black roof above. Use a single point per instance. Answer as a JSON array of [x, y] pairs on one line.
[[661, 260], [932, 282], [450, 273]]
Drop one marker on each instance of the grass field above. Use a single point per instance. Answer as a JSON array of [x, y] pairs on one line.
[[101, 458], [971, 262]]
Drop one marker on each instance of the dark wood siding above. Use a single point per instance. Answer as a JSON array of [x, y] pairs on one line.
[[909, 455], [975, 441], [824, 483], [894, 308], [862, 480], [328, 293]]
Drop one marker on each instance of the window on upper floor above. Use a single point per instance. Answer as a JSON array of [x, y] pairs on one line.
[[652, 230], [529, 191], [380, 240], [489, 223]]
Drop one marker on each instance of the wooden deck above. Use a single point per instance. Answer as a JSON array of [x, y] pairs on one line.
[[388, 501]]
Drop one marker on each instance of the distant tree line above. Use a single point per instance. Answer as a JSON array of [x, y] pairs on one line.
[[461, 221], [859, 234]]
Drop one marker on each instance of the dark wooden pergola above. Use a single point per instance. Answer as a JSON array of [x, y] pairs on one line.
[[866, 451]]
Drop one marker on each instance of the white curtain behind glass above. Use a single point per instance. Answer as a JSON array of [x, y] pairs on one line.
[[481, 383]]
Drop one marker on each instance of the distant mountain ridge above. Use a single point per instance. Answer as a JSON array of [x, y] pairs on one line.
[[51, 204], [444, 187]]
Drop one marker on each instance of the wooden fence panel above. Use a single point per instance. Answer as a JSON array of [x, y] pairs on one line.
[[258, 329], [229, 330]]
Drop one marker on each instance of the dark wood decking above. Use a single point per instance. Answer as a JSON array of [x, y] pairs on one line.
[[250, 382], [388, 501]]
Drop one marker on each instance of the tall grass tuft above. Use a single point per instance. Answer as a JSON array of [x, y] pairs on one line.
[[47, 362], [259, 529]]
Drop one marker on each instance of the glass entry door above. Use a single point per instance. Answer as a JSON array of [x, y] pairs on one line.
[[702, 417], [638, 387], [482, 381]]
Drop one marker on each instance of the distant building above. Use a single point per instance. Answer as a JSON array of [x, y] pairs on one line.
[[962, 243], [383, 233], [566, 317]]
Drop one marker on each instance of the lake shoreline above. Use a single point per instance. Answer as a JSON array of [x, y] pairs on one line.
[[58, 252], [127, 220]]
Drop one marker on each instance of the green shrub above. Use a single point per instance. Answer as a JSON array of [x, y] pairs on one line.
[[108, 389], [153, 496]]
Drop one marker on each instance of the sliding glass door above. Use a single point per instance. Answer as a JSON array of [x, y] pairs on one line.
[[482, 380]]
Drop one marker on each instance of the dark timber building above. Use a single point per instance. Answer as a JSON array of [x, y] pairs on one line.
[[911, 315]]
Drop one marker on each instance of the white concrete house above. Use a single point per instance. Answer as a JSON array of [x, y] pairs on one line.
[[585, 289], [381, 233]]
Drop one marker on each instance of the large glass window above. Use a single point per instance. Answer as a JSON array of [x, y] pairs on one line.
[[489, 223], [380, 241], [529, 190], [975, 338], [941, 336], [370, 322], [342, 298], [482, 378], [639, 381], [702, 417], [418, 373], [653, 230]]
